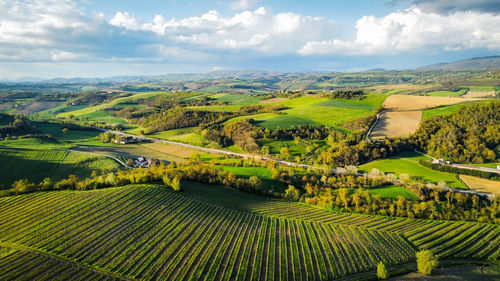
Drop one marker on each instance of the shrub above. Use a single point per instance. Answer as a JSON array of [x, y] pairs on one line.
[[382, 271], [426, 262]]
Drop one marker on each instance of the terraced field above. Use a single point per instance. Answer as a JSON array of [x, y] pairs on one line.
[[147, 232]]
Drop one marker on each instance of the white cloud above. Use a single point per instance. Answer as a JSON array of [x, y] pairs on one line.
[[258, 30], [243, 4], [414, 30]]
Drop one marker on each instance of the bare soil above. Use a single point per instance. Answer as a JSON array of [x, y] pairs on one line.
[[274, 100], [471, 94], [38, 106], [396, 124], [406, 102], [480, 184], [455, 273]]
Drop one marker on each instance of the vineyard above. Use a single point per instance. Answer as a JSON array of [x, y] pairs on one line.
[[147, 232]]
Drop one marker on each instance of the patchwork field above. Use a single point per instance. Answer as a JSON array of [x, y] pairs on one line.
[[148, 232], [481, 185], [396, 124]]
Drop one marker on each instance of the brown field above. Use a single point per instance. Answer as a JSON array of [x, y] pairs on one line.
[[274, 100], [471, 94], [455, 273], [406, 102], [150, 150], [38, 106], [389, 87], [396, 124], [480, 184]]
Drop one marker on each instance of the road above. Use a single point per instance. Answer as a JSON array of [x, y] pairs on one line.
[[230, 153]]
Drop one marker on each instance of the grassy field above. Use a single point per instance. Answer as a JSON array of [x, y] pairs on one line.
[[447, 93], [264, 174], [213, 233], [393, 192], [37, 164], [446, 110], [312, 110], [407, 163]]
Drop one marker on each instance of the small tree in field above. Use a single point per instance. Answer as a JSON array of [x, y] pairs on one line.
[[426, 262], [382, 271], [65, 130]]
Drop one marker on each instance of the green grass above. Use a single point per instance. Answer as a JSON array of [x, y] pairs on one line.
[[37, 164], [447, 93], [407, 163], [191, 135], [393, 192], [314, 111], [487, 165], [55, 129], [263, 173], [481, 88], [446, 110], [237, 99]]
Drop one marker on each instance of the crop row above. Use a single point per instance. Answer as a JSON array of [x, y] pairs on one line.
[[445, 238], [21, 265], [150, 233]]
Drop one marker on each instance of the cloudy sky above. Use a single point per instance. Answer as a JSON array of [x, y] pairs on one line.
[[97, 38]]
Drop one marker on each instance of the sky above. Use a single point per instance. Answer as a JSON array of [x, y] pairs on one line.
[[97, 38]]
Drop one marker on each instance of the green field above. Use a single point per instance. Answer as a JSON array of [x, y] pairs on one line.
[[446, 110], [312, 110], [237, 99], [263, 173], [37, 164], [211, 233], [447, 93], [393, 192], [407, 163]]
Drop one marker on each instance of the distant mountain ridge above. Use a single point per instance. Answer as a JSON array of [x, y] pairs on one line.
[[491, 62], [479, 63]]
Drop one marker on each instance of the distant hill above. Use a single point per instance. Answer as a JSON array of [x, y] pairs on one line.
[[481, 63]]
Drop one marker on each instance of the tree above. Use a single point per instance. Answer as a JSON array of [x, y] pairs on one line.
[[285, 151], [291, 193], [65, 130], [426, 262], [382, 271], [46, 184], [23, 186], [176, 184]]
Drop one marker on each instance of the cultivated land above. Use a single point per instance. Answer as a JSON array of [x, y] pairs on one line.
[[406, 102], [211, 232], [481, 185], [396, 124], [37, 164], [147, 232]]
